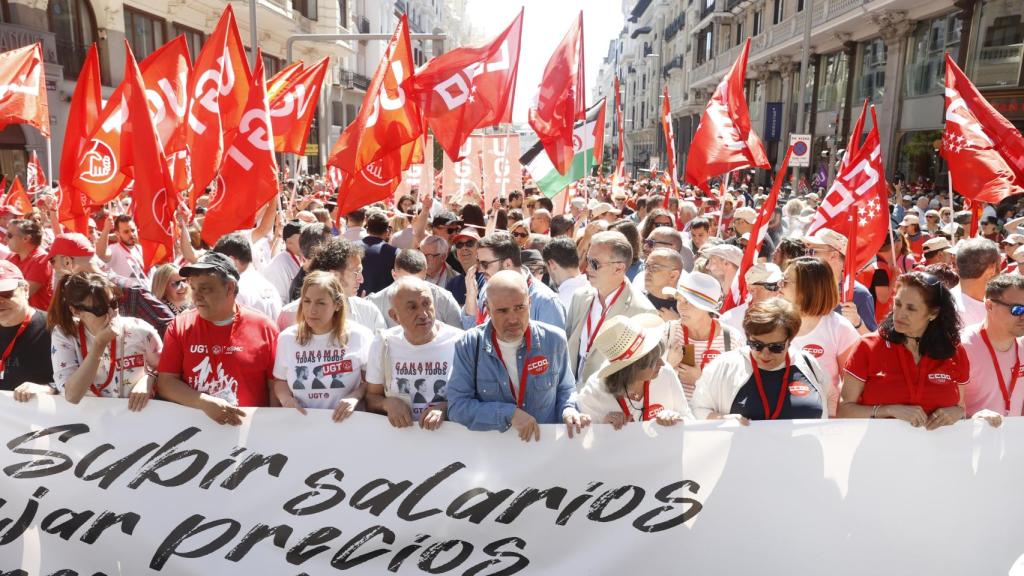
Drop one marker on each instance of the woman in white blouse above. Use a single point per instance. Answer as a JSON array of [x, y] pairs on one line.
[[96, 351]]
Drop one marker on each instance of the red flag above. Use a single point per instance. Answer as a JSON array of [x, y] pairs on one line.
[[670, 140], [858, 129], [153, 198], [725, 140], [23, 89], [385, 138], [850, 267], [984, 151], [219, 90], [165, 73], [34, 175], [469, 88], [293, 107], [103, 166], [278, 81], [248, 177], [83, 118], [17, 197], [738, 291], [561, 99], [858, 202], [976, 209], [620, 161]]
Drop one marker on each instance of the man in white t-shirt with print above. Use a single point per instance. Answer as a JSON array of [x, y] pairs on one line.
[[410, 364]]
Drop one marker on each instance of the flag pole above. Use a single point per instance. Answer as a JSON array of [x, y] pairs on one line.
[[49, 160], [949, 178], [721, 203]]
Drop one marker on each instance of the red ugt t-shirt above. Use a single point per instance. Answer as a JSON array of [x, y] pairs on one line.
[[231, 362]]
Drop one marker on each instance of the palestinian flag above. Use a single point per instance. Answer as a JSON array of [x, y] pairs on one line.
[[587, 145]]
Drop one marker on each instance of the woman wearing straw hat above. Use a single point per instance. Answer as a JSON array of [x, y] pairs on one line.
[[634, 384], [697, 337], [764, 380]]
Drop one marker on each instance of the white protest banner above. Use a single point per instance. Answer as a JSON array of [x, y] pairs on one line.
[[95, 488]]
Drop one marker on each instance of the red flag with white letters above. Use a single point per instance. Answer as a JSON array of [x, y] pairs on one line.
[[293, 107], [469, 88], [17, 197], [984, 151], [248, 176], [561, 99], [35, 178], [278, 81], [165, 73], [83, 117], [725, 140], [23, 89]]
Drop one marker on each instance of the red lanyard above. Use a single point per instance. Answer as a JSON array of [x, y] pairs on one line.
[[294, 258], [711, 341], [526, 361], [113, 359], [592, 333], [999, 372], [10, 347], [647, 403], [482, 314], [783, 389]]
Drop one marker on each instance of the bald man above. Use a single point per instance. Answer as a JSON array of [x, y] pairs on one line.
[[410, 365], [512, 372]]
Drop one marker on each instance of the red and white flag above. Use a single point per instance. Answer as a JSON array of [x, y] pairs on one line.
[[620, 161], [278, 81], [469, 88], [23, 89], [561, 99], [293, 106], [858, 202], [165, 73], [83, 117], [670, 145], [17, 197], [984, 151], [385, 138], [725, 141], [247, 180], [34, 175], [464, 176]]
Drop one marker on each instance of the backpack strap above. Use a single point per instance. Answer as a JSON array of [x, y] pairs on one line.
[[726, 339]]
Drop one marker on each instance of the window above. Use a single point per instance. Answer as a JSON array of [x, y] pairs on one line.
[[926, 64], [799, 5], [832, 93], [871, 79], [305, 7], [997, 52], [343, 13], [739, 33], [144, 33], [74, 24], [756, 28], [777, 11], [194, 38], [271, 64]]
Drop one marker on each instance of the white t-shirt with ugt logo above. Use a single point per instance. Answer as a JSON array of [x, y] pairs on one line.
[[323, 372]]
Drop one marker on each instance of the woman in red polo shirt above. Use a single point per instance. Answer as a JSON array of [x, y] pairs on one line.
[[914, 368]]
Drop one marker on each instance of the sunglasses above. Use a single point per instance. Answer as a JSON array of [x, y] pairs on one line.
[[773, 347], [466, 244], [662, 224], [1016, 310], [770, 286], [7, 294], [484, 264], [521, 234], [179, 283], [595, 264], [652, 243], [98, 310]]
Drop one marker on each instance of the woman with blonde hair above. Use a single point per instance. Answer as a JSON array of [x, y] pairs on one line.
[[321, 359], [171, 288], [96, 351]]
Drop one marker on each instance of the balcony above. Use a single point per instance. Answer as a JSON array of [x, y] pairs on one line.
[[672, 64], [638, 10], [362, 24], [675, 26], [353, 80], [401, 6]]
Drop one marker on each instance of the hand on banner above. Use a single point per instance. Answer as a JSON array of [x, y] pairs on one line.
[[287, 400], [994, 419], [734, 417], [220, 411], [911, 414], [945, 416], [526, 425], [344, 409], [668, 417], [399, 413], [616, 419], [574, 421], [28, 391], [432, 418], [140, 395], [849, 310]]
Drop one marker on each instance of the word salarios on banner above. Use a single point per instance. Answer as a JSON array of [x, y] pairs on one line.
[[94, 488]]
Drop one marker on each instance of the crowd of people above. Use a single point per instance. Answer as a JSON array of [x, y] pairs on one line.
[[606, 309]]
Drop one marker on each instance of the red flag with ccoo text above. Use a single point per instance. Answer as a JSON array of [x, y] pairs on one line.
[[561, 99]]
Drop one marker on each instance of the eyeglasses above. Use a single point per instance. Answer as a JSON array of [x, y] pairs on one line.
[[662, 224], [7, 294], [652, 243], [595, 264], [438, 255], [179, 283], [97, 310], [1016, 310], [773, 347], [521, 234], [655, 268], [484, 264], [931, 217], [771, 286], [466, 244]]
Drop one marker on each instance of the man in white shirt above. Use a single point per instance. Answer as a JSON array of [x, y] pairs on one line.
[[286, 264], [124, 258], [413, 263], [354, 220], [563, 262], [254, 290], [977, 261], [435, 250]]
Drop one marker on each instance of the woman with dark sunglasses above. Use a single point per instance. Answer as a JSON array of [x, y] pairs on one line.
[[914, 368], [172, 289], [95, 351], [764, 380]]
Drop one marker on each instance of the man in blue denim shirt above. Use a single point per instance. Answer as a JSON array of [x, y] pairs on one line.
[[497, 252], [512, 372]]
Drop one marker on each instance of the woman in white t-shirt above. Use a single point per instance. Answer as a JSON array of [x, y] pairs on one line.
[[824, 334], [321, 359], [95, 351]]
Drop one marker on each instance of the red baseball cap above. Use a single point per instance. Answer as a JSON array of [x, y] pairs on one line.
[[10, 276], [11, 209], [71, 244]]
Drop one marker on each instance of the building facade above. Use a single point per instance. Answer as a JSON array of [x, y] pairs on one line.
[[888, 51]]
